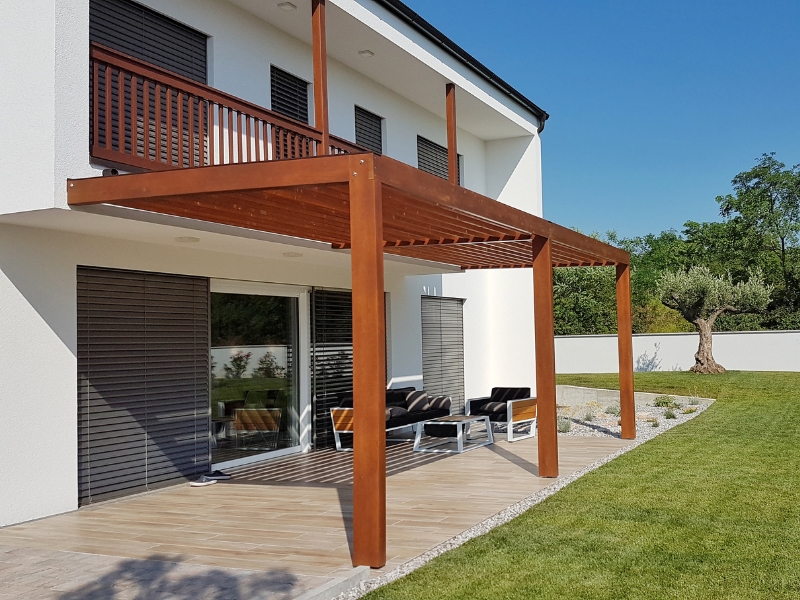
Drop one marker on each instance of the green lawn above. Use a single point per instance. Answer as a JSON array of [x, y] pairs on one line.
[[710, 509]]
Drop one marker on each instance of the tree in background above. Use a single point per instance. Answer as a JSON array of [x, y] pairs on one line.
[[238, 366], [584, 300], [765, 207], [701, 297]]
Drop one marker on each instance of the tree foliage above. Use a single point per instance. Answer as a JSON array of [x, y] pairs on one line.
[[759, 232], [699, 294]]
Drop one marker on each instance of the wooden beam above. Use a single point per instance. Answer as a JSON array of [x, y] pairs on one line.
[[547, 436], [209, 180], [369, 377], [625, 347], [320, 51], [452, 138]]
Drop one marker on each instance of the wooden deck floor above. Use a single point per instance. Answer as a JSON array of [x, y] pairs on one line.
[[294, 515]]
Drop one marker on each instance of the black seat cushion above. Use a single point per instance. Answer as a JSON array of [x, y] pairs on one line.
[[440, 402], [493, 407], [493, 416], [503, 394], [417, 401], [395, 411], [397, 397], [416, 417], [496, 411]]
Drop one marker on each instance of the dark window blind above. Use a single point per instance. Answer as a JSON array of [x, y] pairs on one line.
[[369, 130], [143, 377], [289, 94], [432, 158], [148, 35], [443, 348], [331, 357]]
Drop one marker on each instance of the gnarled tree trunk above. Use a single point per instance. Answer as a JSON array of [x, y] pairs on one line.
[[703, 360]]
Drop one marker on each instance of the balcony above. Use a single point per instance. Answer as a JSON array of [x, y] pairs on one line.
[[144, 118]]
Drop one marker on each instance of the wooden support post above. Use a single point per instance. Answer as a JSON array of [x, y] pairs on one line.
[[625, 347], [320, 51], [452, 138], [547, 436], [369, 377]]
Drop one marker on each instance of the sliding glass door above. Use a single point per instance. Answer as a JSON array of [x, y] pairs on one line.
[[255, 400]]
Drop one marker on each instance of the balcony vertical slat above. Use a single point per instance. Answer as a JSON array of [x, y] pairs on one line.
[[179, 128], [146, 111], [168, 108], [230, 137], [264, 141], [208, 118], [158, 122], [134, 115], [95, 141], [121, 110], [109, 126], [220, 138], [239, 158], [248, 155]]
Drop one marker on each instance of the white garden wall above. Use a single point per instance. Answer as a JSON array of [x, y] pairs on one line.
[[738, 351]]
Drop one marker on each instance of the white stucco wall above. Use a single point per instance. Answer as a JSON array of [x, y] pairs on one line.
[[38, 329], [738, 351], [27, 101]]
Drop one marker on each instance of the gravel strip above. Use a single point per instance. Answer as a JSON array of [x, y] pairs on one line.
[[602, 426]]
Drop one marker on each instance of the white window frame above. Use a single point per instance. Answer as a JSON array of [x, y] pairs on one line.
[[303, 295]]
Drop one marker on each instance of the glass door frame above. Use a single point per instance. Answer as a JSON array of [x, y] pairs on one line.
[[303, 295]]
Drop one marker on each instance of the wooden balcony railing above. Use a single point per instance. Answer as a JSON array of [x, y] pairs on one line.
[[149, 118]]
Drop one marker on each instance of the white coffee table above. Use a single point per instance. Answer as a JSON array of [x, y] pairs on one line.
[[461, 425]]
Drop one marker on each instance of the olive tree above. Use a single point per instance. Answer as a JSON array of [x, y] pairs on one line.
[[700, 297]]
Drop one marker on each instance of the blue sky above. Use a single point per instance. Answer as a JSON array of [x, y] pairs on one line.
[[654, 106]]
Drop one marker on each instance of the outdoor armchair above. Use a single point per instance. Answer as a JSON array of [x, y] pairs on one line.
[[506, 406]]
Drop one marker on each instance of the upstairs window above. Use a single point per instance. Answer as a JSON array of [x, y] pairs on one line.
[[148, 35], [289, 95], [369, 130], [432, 158]]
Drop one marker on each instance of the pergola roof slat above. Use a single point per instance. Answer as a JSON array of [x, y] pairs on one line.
[[424, 217]]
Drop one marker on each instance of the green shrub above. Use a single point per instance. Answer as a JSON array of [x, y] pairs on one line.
[[653, 422], [564, 424], [665, 402], [669, 414], [588, 417], [612, 410]]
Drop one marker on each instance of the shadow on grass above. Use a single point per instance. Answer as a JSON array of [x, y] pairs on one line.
[[160, 577]]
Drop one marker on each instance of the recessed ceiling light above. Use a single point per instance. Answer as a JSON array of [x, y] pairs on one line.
[[187, 239], [292, 254], [287, 6], [366, 53]]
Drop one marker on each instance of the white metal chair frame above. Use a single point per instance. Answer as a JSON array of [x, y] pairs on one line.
[[521, 410]]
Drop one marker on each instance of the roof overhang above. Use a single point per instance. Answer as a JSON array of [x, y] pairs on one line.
[[424, 217]]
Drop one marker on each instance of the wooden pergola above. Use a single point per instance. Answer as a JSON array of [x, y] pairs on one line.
[[374, 205]]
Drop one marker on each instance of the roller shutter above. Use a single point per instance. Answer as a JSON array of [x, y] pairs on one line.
[[143, 377], [331, 356], [443, 348], [289, 94], [369, 130], [432, 158], [148, 35]]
